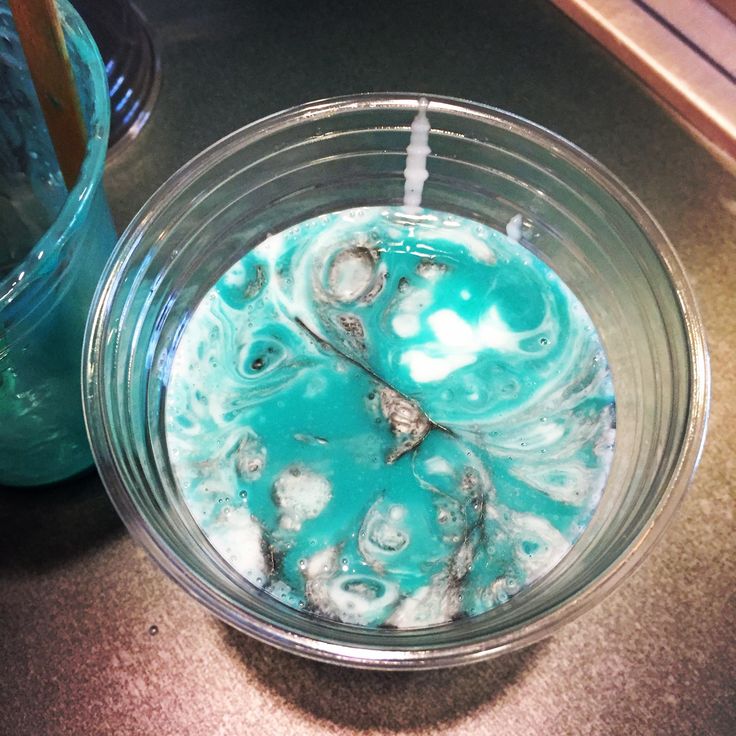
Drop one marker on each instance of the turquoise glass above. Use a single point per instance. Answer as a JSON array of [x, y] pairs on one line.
[[53, 247]]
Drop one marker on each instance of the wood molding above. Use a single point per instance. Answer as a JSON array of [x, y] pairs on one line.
[[684, 51]]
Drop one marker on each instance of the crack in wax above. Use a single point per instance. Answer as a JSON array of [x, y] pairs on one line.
[[391, 416]]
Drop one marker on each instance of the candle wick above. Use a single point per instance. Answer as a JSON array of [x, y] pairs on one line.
[[415, 173]]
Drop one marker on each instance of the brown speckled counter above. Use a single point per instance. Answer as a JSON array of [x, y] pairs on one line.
[[78, 599]]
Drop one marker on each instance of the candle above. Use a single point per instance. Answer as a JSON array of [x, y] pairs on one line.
[[391, 416]]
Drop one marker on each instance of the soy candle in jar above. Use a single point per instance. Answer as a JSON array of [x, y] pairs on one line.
[[391, 416]]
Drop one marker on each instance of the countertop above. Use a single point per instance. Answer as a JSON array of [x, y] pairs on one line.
[[96, 640]]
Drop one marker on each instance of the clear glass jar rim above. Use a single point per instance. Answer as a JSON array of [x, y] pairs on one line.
[[358, 656], [78, 199]]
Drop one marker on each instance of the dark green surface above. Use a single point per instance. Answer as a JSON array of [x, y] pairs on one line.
[[77, 597]]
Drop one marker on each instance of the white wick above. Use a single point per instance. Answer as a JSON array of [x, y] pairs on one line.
[[415, 173], [513, 228]]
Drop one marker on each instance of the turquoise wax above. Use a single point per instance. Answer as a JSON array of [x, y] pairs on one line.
[[53, 247], [390, 419]]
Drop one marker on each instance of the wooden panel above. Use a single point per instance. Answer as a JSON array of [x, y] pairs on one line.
[[684, 50], [727, 7]]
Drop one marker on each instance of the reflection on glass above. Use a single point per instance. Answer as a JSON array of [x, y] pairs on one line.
[[131, 64]]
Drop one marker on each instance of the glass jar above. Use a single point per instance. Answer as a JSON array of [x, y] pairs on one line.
[[487, 165], [61, 243]]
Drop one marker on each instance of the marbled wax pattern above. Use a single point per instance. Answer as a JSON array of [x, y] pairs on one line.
[[390, 419]]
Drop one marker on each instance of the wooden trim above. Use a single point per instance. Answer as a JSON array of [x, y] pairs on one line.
[[694, 82], [727, 7], [40, 33]]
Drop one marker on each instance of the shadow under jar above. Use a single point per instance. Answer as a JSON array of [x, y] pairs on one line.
[[486, 165]]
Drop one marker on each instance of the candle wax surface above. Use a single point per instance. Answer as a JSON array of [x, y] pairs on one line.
[[389, 419]]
